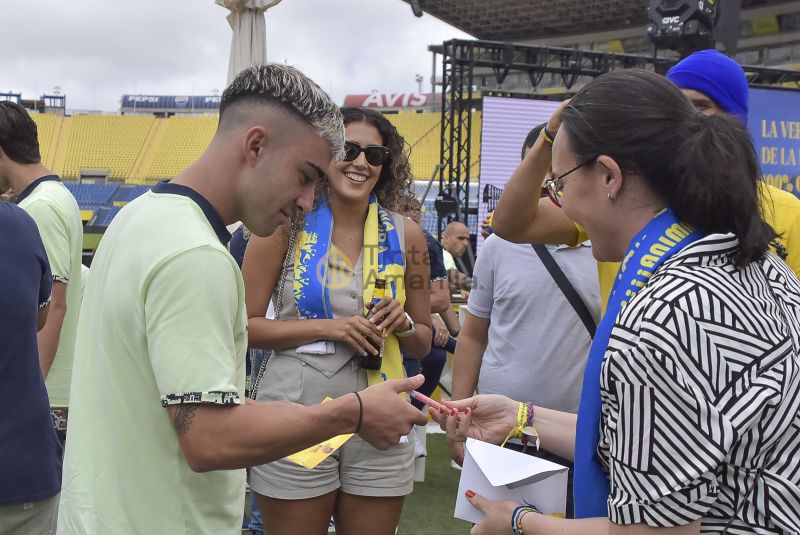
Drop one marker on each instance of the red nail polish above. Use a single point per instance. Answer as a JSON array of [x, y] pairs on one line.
[[467, 410], [470, 494], [441, 411], [453, 412]]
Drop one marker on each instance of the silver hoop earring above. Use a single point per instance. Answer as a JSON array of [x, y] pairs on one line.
[[611, 199]]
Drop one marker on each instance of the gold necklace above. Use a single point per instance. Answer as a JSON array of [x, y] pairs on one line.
[[351, 237]]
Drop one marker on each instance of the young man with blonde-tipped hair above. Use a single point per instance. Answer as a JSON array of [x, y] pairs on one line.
[[161, 431]]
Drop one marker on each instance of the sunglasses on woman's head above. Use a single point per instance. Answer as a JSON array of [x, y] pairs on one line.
[[376, 154]]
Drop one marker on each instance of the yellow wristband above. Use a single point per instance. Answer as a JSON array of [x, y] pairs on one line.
[[522, 418], [546, 136]]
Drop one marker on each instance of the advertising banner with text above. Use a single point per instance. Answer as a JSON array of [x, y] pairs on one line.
[[774, 123]]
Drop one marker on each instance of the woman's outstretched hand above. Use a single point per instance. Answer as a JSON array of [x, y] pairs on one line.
[[488, 418]]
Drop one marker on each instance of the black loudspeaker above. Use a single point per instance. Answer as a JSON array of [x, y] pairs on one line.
[[691, 25], [682, 25], [445, 203]]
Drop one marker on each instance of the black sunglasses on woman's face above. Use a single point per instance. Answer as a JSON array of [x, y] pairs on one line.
[[376, 154]]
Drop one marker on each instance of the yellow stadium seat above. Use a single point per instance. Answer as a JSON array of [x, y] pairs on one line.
[[423, 132], [160, 149], [45, 124], [110, 142], [184, 139]]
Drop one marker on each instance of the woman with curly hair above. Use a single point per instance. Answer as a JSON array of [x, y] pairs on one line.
[[323, 271]]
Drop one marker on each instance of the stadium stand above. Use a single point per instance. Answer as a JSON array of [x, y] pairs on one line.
[[117, 143], [92, 195], [104, 216], [132, 193], [185, 138], [126, 193], [422, 132], [141, 150], [46, 125], [110, 142]]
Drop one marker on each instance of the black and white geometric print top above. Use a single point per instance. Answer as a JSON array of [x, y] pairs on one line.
[[701, 396]]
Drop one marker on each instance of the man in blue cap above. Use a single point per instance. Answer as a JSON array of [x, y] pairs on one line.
[[717, 84], [713, 82]]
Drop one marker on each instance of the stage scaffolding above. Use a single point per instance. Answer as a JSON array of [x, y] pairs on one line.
[[464, 62]]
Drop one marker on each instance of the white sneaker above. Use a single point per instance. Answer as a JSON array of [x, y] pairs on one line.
[[332, 526], [420, 441]]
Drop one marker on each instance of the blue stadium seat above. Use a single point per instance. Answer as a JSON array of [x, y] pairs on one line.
[[126, 194], [105, 215], [136, 192], [91, 196]]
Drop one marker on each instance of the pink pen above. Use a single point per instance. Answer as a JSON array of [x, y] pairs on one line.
[[427, 401]]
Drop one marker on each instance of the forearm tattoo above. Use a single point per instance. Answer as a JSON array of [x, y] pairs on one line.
[[183, 418]]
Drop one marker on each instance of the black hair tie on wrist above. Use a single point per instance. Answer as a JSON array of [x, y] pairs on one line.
[[360, 412]]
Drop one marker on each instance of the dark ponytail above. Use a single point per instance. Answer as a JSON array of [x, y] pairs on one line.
[[716, 187], [704, 167]]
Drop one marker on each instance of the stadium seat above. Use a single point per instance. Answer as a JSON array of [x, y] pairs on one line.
[[45, 124], [92, 196], [105, 215], [126, 194], [110, 142], [184, 140], [423, 132], [160, 151]]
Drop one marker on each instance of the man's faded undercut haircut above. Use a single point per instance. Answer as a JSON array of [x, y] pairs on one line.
[[293, 91]]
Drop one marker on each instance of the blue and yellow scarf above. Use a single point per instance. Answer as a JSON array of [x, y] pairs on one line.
[[382, 257], [656, 242]]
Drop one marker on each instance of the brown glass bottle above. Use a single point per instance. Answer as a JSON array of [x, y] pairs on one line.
[[373, 362]]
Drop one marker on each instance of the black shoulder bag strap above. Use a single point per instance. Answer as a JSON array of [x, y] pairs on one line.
[[566, 287]]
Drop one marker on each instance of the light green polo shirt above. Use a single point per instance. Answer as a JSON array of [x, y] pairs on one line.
[[163, 322], [58, 217]]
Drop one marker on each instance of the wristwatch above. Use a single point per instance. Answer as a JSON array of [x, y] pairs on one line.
[[408, 332]]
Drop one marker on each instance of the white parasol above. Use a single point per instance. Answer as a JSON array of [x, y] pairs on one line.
[[249, 42]]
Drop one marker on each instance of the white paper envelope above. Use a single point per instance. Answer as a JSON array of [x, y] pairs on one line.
[[501, 474]]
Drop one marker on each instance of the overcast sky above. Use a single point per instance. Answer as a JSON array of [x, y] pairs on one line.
[[98, 50]]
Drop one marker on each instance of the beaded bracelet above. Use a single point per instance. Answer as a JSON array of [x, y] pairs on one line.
[[522, 515], [529, 417], [516, 516], [528, 414]]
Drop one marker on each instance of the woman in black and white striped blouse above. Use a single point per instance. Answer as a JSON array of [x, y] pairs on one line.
[[696, 423]]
